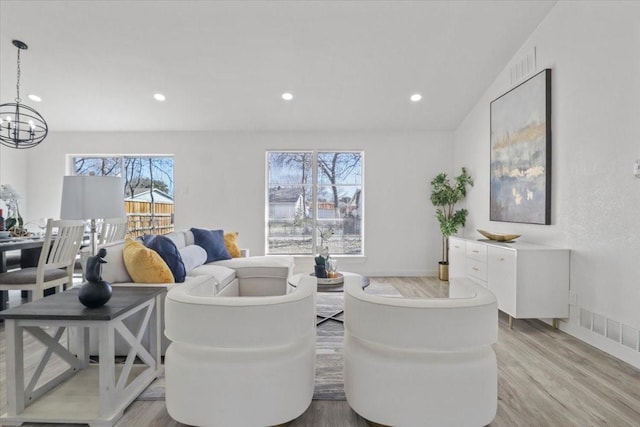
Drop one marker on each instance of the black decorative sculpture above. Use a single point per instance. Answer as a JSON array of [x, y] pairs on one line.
[[95, 291]]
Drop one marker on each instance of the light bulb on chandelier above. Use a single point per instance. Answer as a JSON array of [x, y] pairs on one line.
[[20, 125]]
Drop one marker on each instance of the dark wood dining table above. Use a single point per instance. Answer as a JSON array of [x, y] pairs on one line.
[[29, 248]]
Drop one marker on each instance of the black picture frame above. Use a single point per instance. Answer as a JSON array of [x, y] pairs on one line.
[[520, 144]]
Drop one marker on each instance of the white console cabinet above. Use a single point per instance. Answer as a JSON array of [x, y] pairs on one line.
[[529, 280]]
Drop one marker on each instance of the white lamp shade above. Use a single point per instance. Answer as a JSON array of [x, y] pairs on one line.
[[91, 197]]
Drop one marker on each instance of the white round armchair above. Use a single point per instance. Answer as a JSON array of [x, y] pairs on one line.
[[239, 361], [419, 361]]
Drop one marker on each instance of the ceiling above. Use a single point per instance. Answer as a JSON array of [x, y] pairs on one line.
[[223, 65]]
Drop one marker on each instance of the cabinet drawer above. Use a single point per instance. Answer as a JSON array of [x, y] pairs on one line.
[[502, 266], [457, 245], [477, 251], [457, 257], [477, 269], [499, 255]]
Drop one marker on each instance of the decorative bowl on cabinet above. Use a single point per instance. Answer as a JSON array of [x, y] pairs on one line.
[[498, 237]]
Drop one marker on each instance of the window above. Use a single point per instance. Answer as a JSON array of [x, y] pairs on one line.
[[147, 192], [314, 192]]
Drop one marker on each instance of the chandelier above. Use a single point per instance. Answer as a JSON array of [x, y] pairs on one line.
[[21, 126]]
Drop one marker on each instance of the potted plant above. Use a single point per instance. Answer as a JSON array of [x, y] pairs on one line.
[[444, 197]]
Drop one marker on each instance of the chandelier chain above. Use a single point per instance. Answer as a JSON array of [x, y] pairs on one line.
[[18, 100], [20, 125]]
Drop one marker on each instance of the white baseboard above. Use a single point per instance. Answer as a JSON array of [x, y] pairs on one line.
[[600, 342]]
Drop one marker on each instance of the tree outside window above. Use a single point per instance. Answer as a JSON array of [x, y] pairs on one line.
[[311, 192], [148, 188]]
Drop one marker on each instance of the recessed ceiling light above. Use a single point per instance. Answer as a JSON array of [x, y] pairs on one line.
[[287, 96], [159, 97], [416, 97], [35, 98]]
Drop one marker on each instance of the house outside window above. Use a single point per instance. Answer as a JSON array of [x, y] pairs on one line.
[[311, 192], [148, 188]]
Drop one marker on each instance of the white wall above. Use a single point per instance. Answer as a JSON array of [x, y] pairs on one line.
[[220, 181], [592, 49]]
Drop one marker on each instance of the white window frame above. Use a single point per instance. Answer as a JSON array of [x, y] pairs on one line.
[[314, 189], [70, 170]]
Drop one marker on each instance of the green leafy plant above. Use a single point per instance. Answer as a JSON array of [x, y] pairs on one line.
[[444, 196]]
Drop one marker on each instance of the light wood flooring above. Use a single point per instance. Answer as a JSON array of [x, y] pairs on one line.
[[545, 378]]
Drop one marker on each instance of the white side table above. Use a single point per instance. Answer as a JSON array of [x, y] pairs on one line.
[[83, 393]]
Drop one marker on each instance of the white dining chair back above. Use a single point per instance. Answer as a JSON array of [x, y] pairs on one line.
[[112, 230], [56, 263]]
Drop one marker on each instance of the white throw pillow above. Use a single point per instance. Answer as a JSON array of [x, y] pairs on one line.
[[114, 270], [192, 256], [178, 238]]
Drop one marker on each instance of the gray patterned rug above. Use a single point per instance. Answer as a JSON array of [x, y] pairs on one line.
[[329, 358]]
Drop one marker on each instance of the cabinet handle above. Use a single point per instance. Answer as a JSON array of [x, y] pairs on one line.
[[474, 268], [456, 246], [500, 259], [475, 252]]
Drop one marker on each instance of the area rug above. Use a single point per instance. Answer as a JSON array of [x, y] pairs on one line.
[[329, 384]]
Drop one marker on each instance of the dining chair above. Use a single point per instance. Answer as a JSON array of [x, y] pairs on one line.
[[55, 266], [112, 230]]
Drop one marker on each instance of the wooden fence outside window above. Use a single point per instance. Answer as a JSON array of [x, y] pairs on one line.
[[148, 218]]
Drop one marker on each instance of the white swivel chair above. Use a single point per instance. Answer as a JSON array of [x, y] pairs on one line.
[[112, 230], [239, 360], [55, 266], [420, 361]]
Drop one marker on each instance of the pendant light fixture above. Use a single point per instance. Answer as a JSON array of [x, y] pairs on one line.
[[21, 126]]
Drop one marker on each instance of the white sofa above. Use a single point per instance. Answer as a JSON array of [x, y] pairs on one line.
[[269, 272], [251, 360], [420, 361]]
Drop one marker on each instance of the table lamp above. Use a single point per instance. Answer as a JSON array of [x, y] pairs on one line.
[[92, 197]]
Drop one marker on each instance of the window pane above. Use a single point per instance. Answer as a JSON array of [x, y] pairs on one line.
[[289, 237], [289, 220], [98, 166], [301, 206], [338, 201], [339, 168], [148, 189], [290, 168], [346, 238], [141, 174], [148, 186], [290, 202]]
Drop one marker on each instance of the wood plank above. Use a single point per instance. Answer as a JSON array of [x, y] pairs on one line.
[[545, 378], [66, 306]]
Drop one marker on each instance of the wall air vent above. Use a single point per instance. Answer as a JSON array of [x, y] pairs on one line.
[[523, 67], [614, 330]]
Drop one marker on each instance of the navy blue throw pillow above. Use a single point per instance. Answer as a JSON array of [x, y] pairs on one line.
[[213, 243], [168, 251]]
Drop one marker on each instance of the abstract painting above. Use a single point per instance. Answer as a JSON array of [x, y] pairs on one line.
[[521, 153]]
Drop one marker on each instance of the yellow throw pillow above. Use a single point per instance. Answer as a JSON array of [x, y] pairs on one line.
[[231, 242], [145, 265]]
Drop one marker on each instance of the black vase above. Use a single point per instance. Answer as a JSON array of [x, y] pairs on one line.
[[95, 294]]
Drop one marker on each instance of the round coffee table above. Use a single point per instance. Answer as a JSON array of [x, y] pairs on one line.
[[293, 281]]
